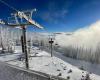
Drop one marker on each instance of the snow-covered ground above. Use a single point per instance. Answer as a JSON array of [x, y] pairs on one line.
[[9, 57], [41, 61], [90, 67]]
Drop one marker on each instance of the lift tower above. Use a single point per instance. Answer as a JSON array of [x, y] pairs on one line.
[[51, 41], [22, 19]]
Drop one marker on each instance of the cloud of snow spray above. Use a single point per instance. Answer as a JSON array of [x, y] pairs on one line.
[[88, 37]]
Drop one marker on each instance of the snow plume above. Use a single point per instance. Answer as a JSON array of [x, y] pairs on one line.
[[83, 43], [87, 37]]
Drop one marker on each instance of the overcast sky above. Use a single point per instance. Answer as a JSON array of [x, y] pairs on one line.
[[57, 15]]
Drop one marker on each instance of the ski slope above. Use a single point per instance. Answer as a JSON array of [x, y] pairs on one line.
[[51, 65]]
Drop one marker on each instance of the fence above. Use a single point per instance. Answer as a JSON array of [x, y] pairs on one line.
[[10, 72]]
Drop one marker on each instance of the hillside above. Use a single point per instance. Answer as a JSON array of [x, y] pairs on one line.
[[51, 65]]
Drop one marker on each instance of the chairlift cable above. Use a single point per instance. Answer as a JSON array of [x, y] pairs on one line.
[[11, 7]]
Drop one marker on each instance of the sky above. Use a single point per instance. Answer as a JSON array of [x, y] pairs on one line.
[[57, 15]]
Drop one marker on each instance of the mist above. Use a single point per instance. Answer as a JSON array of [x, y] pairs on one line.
[[82, 44], [89, 37]]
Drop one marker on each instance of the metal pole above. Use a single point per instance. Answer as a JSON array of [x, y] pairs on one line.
[[22, 44], [25, 47], [51, 42], [51, 47], [29, 47]]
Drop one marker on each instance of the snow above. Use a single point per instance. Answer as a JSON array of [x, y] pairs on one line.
[[18, 49], [9, 57], [95, 77], [0, 48], [51, 65], [54, 66], [90, 67]]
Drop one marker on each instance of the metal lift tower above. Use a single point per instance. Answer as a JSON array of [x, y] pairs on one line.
[[22, 19]]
